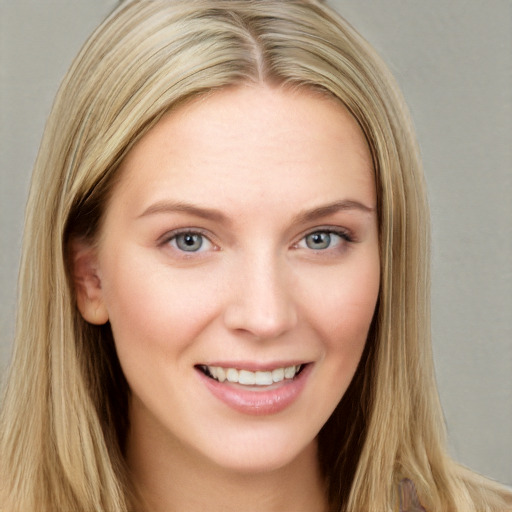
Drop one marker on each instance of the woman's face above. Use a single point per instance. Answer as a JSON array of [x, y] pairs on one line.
[[238, 264]]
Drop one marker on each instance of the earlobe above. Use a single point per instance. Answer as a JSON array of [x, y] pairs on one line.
[[87, 283]]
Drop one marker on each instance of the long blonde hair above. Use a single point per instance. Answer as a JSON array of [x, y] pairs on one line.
[[64, 417]]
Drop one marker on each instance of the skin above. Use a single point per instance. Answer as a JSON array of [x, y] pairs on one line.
[[267, 167]]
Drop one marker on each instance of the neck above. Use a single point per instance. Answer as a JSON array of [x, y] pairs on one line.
[[171, 478]]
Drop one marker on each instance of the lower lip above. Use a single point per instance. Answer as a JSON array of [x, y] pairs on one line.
[[256, 402]]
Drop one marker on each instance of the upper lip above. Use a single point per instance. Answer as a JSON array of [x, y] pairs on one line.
[[255, 366]]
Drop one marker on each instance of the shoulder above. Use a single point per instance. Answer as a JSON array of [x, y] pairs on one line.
[[408, 497]]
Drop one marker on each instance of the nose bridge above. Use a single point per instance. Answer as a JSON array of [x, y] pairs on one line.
[[261, 301]]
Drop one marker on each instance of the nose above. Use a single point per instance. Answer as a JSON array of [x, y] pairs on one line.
[[261, 300]]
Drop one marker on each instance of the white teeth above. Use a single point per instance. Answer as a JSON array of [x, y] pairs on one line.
[[264, 378], [248, 378], [221, 374], [231, 374], [278, 374], [289, 372]]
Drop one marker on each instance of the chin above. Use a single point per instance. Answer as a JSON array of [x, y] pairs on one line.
[[264, 455]]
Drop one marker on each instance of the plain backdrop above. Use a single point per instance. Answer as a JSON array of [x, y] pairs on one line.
[[454, 62]]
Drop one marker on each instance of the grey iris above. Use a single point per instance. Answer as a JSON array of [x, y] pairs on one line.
[[318, 240], [189, 242]]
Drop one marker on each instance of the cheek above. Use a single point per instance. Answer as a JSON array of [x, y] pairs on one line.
[[343, 316], [155, 307], [344, 308]]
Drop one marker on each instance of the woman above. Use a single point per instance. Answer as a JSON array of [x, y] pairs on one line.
[[225, 278]]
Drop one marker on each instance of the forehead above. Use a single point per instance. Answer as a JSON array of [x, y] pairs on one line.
[[256, 141]]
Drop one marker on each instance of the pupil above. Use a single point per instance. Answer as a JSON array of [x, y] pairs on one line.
[[318, 240], [189, 242]]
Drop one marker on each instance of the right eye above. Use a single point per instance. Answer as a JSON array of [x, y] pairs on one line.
[[190, 241]]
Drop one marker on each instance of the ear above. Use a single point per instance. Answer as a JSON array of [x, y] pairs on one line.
[[89, 294]]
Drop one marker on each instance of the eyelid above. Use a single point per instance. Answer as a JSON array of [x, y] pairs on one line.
[[336, 248], [345, 234], [342, 232], [169, 235]]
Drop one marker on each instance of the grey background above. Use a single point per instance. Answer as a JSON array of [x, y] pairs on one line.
[[453, 60]]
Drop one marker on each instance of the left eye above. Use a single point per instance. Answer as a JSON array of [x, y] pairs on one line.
[[190, 242], [321, 240]]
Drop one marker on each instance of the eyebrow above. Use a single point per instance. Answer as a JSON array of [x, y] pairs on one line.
[[166, 206], [331, 209], [183, 207]]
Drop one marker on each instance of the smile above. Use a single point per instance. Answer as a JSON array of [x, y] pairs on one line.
[[259, 392], [249, 378]]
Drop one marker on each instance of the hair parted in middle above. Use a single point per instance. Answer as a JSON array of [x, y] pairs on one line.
[[148, 58]]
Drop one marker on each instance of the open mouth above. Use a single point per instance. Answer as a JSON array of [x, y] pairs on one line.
[[250, 378], [259, 391]]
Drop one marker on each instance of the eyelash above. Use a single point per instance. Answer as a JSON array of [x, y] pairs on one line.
[[173, 236], [343, 234]]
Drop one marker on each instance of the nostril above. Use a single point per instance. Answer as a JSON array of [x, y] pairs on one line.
[[261, 303]]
